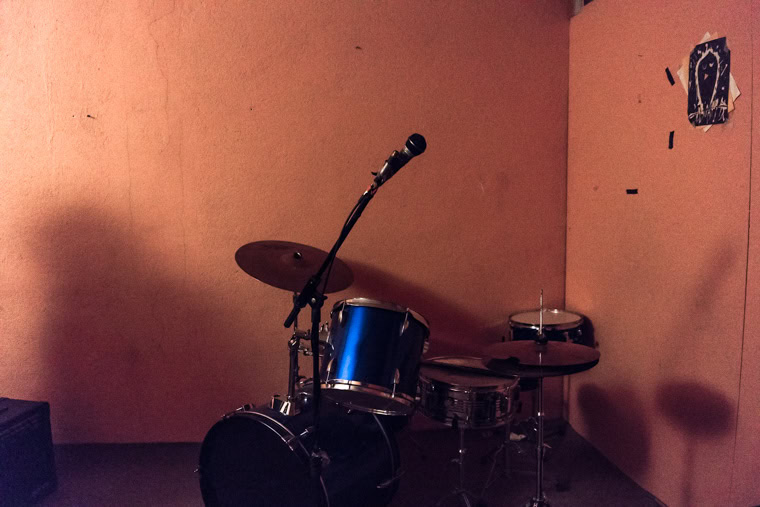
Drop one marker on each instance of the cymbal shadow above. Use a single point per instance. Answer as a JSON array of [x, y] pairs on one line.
[[701, 413]]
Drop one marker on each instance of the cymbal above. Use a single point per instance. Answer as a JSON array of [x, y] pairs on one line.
[[289, 266], [529, 359]]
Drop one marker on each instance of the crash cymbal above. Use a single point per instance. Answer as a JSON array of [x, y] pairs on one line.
[[289, 266], [529, 359]]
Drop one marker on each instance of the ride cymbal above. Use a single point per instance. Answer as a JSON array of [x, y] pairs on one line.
[[289, 266], [530, 359]]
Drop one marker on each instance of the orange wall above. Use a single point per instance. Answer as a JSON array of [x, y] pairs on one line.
[[144, 142], [662, 273]]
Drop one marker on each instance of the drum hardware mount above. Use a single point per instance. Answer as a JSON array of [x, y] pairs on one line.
[[292, 404]]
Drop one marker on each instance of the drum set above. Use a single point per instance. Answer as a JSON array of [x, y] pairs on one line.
[[342, 451]]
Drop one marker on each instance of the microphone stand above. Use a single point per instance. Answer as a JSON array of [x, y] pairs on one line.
[[310, 295]]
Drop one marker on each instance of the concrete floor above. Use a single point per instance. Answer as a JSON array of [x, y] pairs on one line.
[[163, 474]]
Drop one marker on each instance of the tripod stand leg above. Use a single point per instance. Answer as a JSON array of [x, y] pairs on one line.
[[460, 490], [495, 456]]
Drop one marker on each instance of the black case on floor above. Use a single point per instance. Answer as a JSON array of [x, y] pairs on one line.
[[27, 464]]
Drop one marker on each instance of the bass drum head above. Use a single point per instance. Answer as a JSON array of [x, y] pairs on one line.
[[238, 458], [259, 457]]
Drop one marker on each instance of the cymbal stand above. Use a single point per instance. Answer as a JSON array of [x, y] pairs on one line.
[[541, 340], [459, 491], [540, 499]]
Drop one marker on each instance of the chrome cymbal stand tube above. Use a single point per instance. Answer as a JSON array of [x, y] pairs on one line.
[[540, 500]]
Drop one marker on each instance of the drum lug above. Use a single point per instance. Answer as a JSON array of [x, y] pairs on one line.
[[396, 381], [291, 440], [405, 324], [340, 313], [329, 369]]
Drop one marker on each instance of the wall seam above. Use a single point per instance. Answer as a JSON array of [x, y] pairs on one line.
[[749, 227], [567, 383]]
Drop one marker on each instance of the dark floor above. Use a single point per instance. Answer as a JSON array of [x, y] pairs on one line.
[[163, 474]]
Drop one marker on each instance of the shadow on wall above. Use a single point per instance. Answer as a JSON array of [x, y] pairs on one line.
[[125, 347], [614, 415], [453, 330], [699, 412]]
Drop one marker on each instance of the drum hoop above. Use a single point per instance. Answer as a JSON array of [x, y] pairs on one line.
[[503, 389], [383, 305], [552, 327], [363, 387], [264, 418]]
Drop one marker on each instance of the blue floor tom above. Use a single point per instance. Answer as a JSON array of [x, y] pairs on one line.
[[372, 356]]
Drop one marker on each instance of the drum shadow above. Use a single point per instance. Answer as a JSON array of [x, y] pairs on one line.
[[453, 330], [698, 411], [616, 424]]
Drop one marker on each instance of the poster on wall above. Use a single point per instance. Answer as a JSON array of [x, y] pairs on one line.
[[709, 71]]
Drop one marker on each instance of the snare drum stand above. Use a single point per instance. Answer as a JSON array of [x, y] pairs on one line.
[[459, 491]]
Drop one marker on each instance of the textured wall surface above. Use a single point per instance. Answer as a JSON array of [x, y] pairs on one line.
[[144, 142], [661, 273]]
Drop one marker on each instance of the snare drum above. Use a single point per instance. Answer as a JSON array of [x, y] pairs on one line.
[[474, 399], [559, 325], [372, 356]]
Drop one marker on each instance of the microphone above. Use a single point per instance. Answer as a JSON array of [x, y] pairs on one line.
[[415, 145]]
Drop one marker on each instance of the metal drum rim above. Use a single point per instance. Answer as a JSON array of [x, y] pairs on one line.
[[458, 388], [553, 327], [383, 305], [364, 387], [496, 387]]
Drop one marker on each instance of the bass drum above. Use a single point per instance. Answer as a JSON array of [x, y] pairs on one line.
[[259, 457]]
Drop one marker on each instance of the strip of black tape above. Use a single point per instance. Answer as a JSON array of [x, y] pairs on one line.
[[631, 191], [670, 141], [670, 76]]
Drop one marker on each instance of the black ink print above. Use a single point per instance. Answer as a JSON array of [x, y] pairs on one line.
[[709, 70]]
